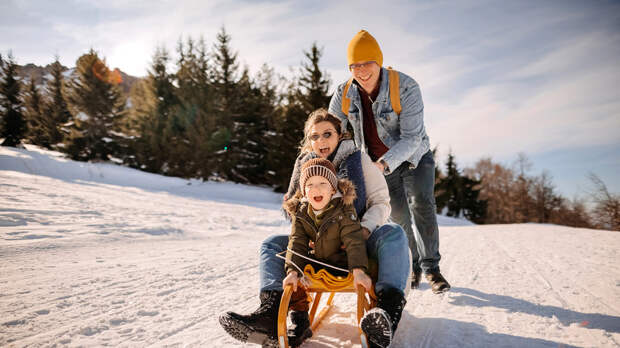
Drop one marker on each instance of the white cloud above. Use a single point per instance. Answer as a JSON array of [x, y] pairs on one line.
[[580, 109]]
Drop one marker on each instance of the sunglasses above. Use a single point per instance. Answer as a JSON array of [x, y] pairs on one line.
[[325, 135], [361, 65]]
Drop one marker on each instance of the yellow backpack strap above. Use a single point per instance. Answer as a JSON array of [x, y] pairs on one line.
[[395, 90], [346, 102]]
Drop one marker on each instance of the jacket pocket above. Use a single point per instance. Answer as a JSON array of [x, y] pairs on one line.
[[388, 120]]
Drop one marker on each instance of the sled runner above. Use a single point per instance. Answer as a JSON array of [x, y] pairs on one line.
[[322, 282]]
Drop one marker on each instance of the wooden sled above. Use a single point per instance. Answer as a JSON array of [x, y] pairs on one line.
[[320, 282]]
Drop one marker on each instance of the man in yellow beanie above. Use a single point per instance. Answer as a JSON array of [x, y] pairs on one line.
[[398, 144]]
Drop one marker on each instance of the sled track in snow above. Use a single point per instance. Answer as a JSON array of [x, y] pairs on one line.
[[426, 340]]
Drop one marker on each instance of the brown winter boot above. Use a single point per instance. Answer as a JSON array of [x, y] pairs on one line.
[[438, 283]]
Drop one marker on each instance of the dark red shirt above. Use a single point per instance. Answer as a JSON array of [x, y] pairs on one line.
[[376, 148]]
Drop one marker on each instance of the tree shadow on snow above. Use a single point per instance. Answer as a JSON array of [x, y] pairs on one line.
[[436, 332], [475, 298]]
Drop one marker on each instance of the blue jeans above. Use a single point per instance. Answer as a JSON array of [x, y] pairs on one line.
[[412, 195], [387, 244]]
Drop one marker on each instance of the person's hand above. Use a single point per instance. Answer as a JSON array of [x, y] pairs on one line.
[[362, 279], [291, 279], [380, 166], [365, 233]]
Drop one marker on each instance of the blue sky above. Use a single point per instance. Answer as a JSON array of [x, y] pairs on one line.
[[497, 77]]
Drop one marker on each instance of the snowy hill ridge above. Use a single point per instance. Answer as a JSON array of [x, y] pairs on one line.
[[94, 254]]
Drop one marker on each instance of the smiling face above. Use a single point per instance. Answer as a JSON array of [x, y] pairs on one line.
[[366, 74], [323, 138], [319, 191]]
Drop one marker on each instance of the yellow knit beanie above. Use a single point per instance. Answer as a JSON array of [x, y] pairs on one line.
[[363, 48]]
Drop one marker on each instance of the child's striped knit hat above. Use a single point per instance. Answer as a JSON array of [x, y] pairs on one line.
[[320, 167]]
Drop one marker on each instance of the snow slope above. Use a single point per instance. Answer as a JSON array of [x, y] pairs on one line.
[[101, 255]]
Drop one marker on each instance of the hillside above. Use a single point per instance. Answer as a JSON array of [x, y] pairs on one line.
[[43, 73], [93, 254]]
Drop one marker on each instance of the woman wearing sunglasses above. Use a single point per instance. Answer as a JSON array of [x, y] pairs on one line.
[[385, 242]]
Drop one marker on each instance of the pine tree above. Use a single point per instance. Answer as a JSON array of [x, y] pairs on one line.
[[99, 107], [57, 117], [313, 83], [13, 121], [201, 130], [272, 134], [195, 109], [153, 101], [34, 113], [458, 194], [448, 190], [249, 145], [306, 93], [225, 77], [225, 74]]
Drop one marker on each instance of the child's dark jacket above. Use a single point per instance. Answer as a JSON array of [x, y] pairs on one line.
[[339, 227]]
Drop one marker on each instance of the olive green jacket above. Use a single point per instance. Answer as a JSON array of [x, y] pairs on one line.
[[339, 227]]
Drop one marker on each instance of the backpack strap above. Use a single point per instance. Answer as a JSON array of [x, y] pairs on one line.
[[346, 102], [394, 92]]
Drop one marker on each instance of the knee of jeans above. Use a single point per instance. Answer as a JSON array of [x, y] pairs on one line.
[[425, 202], [391, 233], [276, 243]]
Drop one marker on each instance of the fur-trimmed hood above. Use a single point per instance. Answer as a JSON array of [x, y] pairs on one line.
[[346, 190]]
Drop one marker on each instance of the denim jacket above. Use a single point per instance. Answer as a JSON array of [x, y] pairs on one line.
[[404, 135]]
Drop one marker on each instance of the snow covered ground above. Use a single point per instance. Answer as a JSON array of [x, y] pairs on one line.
[[101, 255]]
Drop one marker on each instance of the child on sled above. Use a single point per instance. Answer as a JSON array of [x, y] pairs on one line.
[[323, 215]]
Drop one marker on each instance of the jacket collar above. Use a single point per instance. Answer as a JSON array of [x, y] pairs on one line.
[[335, 201], [345, 148], [353, 92]]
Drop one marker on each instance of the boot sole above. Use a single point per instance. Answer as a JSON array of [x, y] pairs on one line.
[[441, 290], [245, 334], [377, 327]]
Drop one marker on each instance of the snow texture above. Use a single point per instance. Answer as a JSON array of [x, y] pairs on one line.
[[94, 254]]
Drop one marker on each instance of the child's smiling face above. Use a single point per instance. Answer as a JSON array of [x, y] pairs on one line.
[[319, 191]]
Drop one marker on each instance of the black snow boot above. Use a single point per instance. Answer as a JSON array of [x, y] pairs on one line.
[[258, 327], [380, 323], [300, 329]]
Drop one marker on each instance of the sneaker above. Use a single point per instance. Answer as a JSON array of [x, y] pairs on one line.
[[438, 283]]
